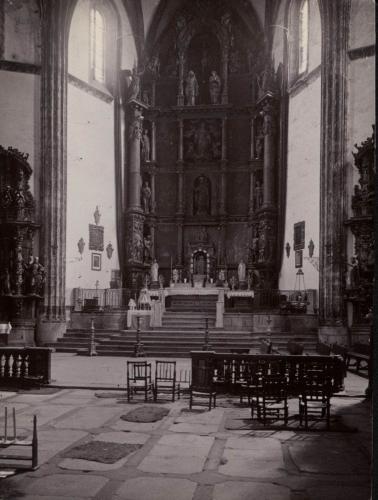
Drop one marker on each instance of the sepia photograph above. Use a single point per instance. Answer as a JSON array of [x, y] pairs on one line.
[[187, 251]]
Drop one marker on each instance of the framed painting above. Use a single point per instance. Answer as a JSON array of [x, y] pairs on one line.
[[96, 262]]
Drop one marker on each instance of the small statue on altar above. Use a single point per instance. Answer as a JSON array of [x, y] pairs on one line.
[[232, 282], [175, 276], [191, 88], [241, 271], [154, 271], [146, 146], [146, 197], [249, 281], [161, 281], [222, 276], [214, 87]]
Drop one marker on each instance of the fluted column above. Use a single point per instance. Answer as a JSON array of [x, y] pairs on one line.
[[224, 76], [269, 156], [134, 178], [153, 141], [223, 170], [180, 94], [180, 193], [56, 16]]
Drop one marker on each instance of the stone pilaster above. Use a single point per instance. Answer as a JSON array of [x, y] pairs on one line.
[[335, 20], [56, 16]]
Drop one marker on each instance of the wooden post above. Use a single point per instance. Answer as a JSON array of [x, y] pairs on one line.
[[92, 345], [35, 444]]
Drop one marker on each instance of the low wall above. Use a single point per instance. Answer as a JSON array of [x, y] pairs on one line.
[[112, 320], [298, 324]]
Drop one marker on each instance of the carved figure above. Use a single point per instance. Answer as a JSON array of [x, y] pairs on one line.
[[202, 140], [97, 216], [201, 196], [191, 88], [146, 97], [134, 89], [258, 198], [147, 248], [154, 66], [222, 276], [241, 270], [175, 275], [202, 235], [146, 146], [232, 282], [146, 197], [154, 271], [259, 151], [6, 197], [5, 282], [109, 250], [214, 87]]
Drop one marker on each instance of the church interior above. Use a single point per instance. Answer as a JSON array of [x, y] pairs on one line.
[[180, 176]]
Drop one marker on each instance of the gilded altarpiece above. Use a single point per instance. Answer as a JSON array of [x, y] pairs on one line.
[[211, 122]]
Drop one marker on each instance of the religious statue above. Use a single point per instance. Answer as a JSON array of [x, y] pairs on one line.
[[232, 282], [6, 198], [146, 146], [146, 197], [214, 87], [201, 196], [202, 139], [175, 276], [154, 271], [222, 276], [191, 89], [241, 271], [5, 288], [147, 248], [202, 235], [258, 198], [97, 216], [134, 88], [259, 146], [146, 97]]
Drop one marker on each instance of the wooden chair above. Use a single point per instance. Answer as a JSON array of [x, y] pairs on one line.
[[165, 379], [139, 378], [203, 389], [271, 400], [315, 398]]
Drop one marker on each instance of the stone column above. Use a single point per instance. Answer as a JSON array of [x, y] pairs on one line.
[[223, 170], [252, 150], [269, 155], [224, 99], [180, 95], [153, 190], [134, 138], [56, 18], [251, 192], [153, 93], [332, 314], [180, 194], [153, 141], [134, 215]]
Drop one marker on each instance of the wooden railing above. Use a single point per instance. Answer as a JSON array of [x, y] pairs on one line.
[[228, 371], [25, 365]]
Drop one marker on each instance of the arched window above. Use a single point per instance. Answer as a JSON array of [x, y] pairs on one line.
[[303, 37], [97, 45]]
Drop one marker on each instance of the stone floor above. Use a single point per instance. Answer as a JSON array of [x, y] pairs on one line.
[[187, 455]]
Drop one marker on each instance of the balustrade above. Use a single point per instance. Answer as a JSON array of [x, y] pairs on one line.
[[25, 365]]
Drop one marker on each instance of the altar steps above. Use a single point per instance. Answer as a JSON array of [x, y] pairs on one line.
[[164, 342]]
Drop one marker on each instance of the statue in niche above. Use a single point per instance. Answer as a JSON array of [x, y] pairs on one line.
[[214, 87], [154, 271], [227, 24], [146, 146], [234, 63], [202, 140], [147, 248], [5, 287], [6, 198], [134, 88], [201, 196], [199, 264], [191, 89], [222, 276], [175, 276], [241, 271], [154, 66], [202, 236], [146, 97], [146, 197], [258, 195]]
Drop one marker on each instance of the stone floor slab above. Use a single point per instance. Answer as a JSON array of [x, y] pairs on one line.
[[235, 490], [200, 429], [88, 418], [67, 485], [90, 465], [176, 464], [156, 488], [122, 425], [123, 437], [252, 457], [183, 440], [319, 457], [339, 493]]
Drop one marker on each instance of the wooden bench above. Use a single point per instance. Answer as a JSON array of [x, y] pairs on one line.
[[358, 357]]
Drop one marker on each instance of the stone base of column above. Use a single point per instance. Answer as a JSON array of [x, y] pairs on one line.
[[333, 334], [48, 331], [22, 333]]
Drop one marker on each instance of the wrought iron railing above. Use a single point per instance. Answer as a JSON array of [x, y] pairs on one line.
[[101, 298]]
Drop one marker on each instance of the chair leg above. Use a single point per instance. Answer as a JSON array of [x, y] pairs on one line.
[[215, 399], [178, 391]]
